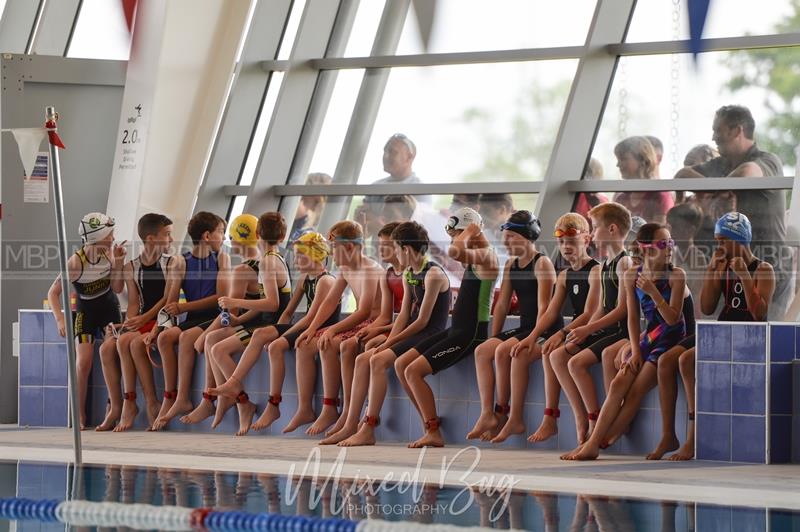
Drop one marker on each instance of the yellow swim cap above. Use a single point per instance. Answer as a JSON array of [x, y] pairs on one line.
[[313, 245], [243, 229]]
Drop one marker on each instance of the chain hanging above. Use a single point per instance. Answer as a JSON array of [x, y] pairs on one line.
[[675, 91]]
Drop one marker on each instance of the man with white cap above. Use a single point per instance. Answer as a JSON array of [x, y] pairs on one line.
[[95, 272], [469, 324]]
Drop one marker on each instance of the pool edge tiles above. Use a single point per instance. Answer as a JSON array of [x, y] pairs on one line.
[[700, 481]]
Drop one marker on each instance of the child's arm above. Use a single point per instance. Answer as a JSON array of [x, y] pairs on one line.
[[401, 321], [459, 248], [369, 289], [500, 310], [436, 282], [294, 302], [545, 279], [712, 283], [628, 291], [132, 319], [240, 276], [118, 253], [545, 321], [324, 286], [592, 304], [270, 302], [54, 293], [758, 289], [329, 304], [383, 323], [387, 304], [670, 310], [579, 334], [176, 273]]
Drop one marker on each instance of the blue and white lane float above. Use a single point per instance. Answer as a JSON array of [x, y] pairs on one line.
[[149, 517]]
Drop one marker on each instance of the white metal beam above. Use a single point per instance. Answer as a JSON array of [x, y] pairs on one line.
[[243, 106], [585, 106]]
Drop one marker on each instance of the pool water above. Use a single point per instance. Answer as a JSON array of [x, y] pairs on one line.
[[422, 504]]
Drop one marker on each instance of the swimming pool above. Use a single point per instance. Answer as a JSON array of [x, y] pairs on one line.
[[413, 504]]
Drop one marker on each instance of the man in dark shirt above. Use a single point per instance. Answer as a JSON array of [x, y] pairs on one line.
[[739, 156]]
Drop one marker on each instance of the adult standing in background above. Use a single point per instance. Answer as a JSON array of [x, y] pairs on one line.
[[739, 156]]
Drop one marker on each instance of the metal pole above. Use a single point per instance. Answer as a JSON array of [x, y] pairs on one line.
[[65, 293]]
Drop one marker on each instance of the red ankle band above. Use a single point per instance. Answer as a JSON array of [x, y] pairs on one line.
[[208, 397], [171, 395], [433, 424], [372, 421], [129, 396], [592, 416], [552, 412], [502, 409], [242, 398], [330, 401], [275, 400]]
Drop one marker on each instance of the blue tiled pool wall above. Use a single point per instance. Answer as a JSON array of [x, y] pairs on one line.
[[745, 391], [400, 422]]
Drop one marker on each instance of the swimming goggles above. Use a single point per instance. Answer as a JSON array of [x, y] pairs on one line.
[[658, 244], [569, 232]]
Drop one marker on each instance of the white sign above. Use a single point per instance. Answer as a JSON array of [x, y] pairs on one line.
[[37, 185]]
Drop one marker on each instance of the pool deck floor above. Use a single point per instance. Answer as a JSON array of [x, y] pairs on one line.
[[773, 486]]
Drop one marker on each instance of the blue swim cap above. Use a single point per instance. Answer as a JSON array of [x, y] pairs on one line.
[[735, 226]]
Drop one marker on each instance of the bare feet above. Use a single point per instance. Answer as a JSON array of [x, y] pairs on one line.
[[363, 435], [686, 452], [666, 445], [511, 427], [246, 412], [588, 451], [111, 419], [178, 407], [547, 429], [129, 413], [487, 421], [166, 405], [230, 388], [339, 423], [300, 418], [204, 410], [326, 418], [223, 405], [431, 438], [569, 454], [491, 434], [153, 410], [340, 435], [583, 428], [267, 418]]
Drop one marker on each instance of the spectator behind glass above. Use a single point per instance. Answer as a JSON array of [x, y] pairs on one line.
[[310, 208], [697, 155], [683, 221], [586, 201], [398, 208], [739, 156], [658, 146], [495, 210], [636, 159]]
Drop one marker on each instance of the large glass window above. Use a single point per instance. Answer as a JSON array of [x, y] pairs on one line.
[[667, 97], [475, 25], [471, 123], [100, 32], [668, 20], [337, 120]]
